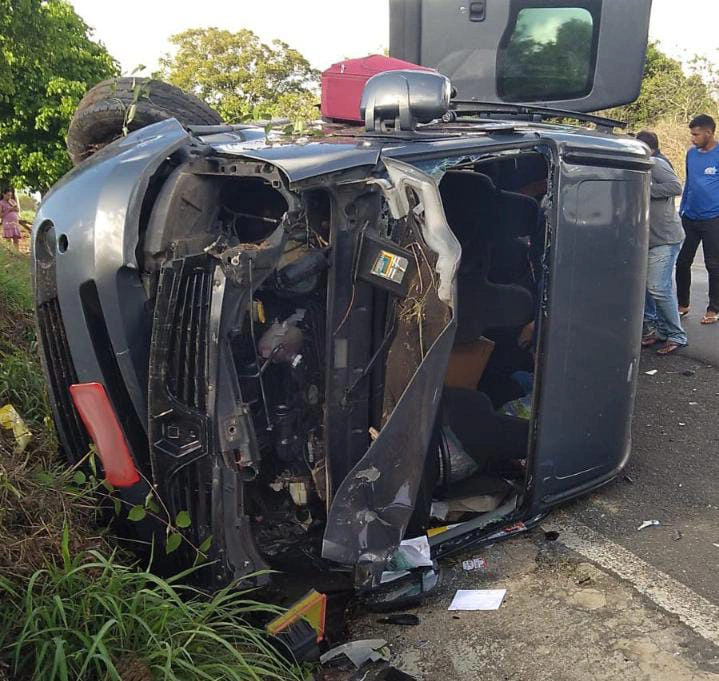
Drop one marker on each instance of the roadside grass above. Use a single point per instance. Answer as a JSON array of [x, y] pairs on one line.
[[15, 282], [72, 606], [22, 383], [90, 617]]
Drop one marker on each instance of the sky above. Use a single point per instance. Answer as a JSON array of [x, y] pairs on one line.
[[326, 31]]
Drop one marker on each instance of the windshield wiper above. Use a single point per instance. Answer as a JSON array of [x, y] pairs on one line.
[[461, 108]]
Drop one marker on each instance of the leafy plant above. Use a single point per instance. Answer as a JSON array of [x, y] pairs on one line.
[[48, 60], [668, 93], [241, 76], [140, 90]]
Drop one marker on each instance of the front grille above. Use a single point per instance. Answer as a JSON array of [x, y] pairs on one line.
[[187, 357], [179, 425], [61, 375], [192, 491]]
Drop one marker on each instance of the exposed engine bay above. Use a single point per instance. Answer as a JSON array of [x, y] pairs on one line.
[[254, 299]]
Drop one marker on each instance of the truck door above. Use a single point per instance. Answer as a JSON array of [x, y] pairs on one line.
[[591, 322], [583, 55]]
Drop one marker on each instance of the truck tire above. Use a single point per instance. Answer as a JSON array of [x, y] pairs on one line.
[[100, 116]]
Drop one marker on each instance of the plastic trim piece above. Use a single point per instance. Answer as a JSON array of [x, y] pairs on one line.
[[101, 422]]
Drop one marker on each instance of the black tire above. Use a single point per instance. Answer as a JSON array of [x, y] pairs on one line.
[[100, 116]]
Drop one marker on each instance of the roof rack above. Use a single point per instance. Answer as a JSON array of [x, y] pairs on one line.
[[461, 108]]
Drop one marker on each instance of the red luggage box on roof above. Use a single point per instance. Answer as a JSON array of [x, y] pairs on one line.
[[343, 83]]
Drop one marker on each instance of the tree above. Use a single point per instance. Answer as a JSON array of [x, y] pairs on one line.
[[241, 76], [558, 68], [47, 62], [669, 94]]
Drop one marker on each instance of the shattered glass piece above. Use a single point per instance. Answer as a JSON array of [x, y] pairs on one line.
[[358, 652]]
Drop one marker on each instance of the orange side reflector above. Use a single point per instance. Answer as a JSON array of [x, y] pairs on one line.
[[99, 418], [313, 608]]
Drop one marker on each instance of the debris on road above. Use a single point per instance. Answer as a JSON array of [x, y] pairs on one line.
[[416, 551], [508, 531], [402, 590], [689, 372], [478, 599], [652, 372], [11, 420], [629, 479], [358, 652], [312, 608], [302, 627], [551, 535], [648, 523], [677, 535], [402, 619], [474, 564], [411, 554]]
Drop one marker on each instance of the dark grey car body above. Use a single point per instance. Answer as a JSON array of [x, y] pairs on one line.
[[114, 252]]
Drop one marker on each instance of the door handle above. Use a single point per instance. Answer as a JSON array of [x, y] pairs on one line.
[[478, 10]]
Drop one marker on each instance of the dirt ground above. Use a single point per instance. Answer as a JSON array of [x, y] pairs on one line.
[[562, 620]]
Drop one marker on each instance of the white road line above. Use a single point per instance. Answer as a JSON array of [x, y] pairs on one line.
[[698, 613]]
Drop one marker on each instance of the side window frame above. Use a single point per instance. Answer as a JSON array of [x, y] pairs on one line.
[[594, 7]]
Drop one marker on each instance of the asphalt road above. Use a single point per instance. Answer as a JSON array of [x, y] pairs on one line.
[[673, 475], [703, 340]]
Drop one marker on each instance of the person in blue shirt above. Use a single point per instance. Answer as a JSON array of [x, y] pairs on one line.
[[700, 215]]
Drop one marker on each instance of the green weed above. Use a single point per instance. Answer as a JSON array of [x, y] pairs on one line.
[[22, 384], [92, 619], [15, 281]]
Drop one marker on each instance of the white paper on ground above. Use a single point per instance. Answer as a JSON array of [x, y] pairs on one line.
[[478, 599]]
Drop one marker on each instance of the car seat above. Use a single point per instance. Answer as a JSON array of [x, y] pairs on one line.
[[486, 221]]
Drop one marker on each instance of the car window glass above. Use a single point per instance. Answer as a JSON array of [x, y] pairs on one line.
[[548, 55]]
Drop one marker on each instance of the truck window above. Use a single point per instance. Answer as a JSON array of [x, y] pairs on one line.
[[548, 54]]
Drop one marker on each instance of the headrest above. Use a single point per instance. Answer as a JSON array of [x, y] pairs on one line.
[[470, 203]]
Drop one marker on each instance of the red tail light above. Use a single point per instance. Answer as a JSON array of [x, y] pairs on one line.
[[99, 418]]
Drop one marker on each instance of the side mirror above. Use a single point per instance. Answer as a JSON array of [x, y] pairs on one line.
[[399, 100]]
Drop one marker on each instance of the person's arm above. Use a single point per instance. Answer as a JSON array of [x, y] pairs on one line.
[[682, 205], [665, 183]]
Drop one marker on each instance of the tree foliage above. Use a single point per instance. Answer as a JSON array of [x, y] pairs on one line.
[[47, 62], [241, 76], [531, 69], [670, 94]]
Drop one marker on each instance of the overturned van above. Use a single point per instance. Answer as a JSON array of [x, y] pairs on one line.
[[314, 348]]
